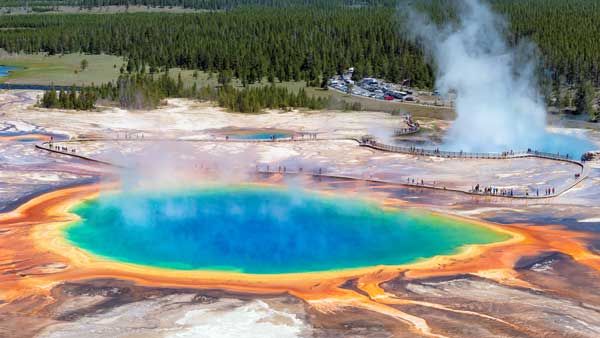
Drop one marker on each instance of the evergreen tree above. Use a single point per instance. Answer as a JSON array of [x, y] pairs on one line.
[[83, 99], [49, 99], [179, 89], [225, 77], [566, 100], [584, 99]]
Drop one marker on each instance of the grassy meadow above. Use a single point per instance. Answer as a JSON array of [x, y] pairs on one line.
[[60, 69], [66, 70]]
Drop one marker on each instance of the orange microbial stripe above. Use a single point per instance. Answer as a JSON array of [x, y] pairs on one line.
[[13, 138], [35, 257]]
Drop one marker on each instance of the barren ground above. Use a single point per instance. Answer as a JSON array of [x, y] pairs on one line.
[[553, 293]]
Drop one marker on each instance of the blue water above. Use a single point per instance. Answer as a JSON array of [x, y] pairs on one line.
[[259, 136], [548, 142], [27, 140], [32, 133], [573, 145], [262, 230], [4, 70]]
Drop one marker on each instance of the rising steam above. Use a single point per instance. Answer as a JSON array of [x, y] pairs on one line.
[[497, 98]]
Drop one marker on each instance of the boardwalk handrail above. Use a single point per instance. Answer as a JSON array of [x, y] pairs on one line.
[[48, 147], [462, 154], [365, 141], [413, 127], [318, 173], [406, 131]]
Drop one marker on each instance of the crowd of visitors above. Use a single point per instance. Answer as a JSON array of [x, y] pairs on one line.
[[496, 191], [490, 190]]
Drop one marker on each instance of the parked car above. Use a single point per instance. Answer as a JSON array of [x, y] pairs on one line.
[[397, 95]]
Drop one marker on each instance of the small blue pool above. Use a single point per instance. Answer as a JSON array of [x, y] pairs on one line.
[[4, 70], [259, 136]]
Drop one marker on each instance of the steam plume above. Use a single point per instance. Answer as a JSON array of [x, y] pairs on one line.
[[497, 100]]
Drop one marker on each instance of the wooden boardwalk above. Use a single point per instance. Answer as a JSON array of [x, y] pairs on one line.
[[62, 147]]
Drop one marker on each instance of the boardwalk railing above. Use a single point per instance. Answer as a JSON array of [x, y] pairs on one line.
[[407, 131], [413, 127], [461, 154], [518, 194], [60, 148]]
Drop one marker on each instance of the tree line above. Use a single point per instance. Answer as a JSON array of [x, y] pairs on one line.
[[308, 40], [255, 99], [142, 91], [147, 91], [253, 43], [79, 99], [303, 42], [198, 4]]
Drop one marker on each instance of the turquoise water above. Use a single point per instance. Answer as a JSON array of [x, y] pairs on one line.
[[262, 230], [259, 136], [5, 69], [27, 140]]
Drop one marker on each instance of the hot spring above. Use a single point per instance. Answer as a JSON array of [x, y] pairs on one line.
[[262, 230], [253, 134], [5, 70], [259, 136]]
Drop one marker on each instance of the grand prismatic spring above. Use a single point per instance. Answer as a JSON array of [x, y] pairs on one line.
[[263, 231]]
